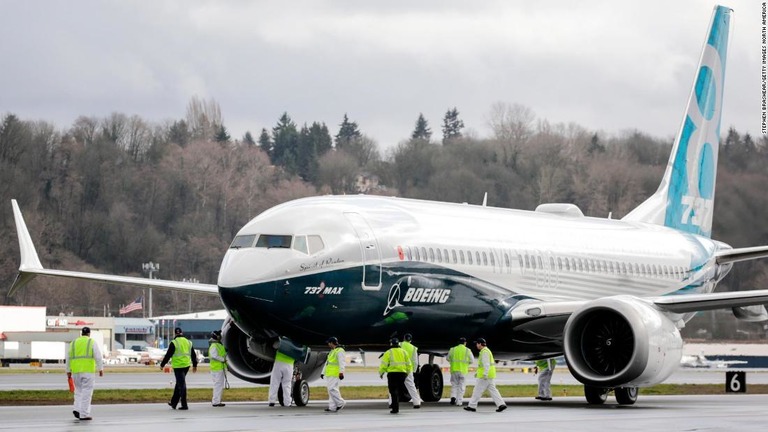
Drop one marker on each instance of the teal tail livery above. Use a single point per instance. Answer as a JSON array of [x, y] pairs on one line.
[[685, 199], [610, 295]]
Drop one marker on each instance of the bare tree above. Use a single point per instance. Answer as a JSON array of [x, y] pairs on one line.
[[203, 117], [512, 127]]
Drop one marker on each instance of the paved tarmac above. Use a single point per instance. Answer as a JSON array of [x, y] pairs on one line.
[[157, 380], [651, 413]]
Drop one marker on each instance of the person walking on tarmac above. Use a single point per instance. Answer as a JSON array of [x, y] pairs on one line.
[[83, 360], [486, 373], [395, 363], [333, 372], [413, 356], [459, 357], [218, 355], [544, 368], [282, 374], [182, 356]]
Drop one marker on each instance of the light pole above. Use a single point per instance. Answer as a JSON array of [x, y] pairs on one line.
[[191, 280], [150, 268]]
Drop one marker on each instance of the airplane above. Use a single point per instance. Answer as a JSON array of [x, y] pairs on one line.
[[611, 295], [701, 361]]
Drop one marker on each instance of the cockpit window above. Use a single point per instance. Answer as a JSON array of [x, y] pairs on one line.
[[315, 244], [242, 241], [274, 241], [300, 244]]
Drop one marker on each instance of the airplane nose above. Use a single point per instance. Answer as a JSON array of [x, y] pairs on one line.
[[251, 266]]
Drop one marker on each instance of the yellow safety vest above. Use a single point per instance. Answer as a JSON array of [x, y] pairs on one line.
[[217, 365], [481, 370], [332, 362], [181, 353], [546, 364], [81, 355], [460, 358], [282, 358], [410, 349], [395, 360]]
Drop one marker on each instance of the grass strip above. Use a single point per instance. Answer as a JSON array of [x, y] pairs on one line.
[[259, 394]]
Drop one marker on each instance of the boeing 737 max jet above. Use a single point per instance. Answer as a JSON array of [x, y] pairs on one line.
[[609, 294]]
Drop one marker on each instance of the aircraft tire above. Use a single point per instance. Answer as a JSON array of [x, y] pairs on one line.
[[595, 395], [626, 395], [430, 381], [301, 393]]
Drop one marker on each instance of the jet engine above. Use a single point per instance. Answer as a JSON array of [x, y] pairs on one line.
[[250, 358], [621, 341]]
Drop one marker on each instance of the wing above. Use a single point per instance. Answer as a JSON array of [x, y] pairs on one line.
[[31, 267]]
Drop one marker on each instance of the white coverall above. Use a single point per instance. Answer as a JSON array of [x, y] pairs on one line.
[[458, 378], [219, 377], [282, 374], [84, 383], [485, 383], [545, 378], [334, 395], [410, 383]]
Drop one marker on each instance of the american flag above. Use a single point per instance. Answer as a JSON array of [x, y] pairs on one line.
[[136, 305]]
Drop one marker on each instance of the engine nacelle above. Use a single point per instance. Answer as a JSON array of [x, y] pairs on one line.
[[621, 341], [251, 358]]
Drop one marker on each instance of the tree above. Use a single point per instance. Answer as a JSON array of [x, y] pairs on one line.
[[222, 136], [203, 116], [248, 139], [595, 146], [285, 140], [265, 142], [422, 130], [452, 125], [348, 131], [13, 135], [179, 133]]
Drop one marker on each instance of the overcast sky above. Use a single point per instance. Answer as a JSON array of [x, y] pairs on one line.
[[606, 65]]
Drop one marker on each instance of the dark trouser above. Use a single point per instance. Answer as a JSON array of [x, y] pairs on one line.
[[180, 391], [396, 384]]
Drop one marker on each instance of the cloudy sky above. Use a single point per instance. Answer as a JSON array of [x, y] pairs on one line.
[[606, 65]]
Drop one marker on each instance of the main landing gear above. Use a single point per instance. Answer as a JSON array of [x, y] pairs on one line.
[[598, 395]]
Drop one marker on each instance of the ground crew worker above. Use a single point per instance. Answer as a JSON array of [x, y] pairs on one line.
[[545, 368], [395, 363], [486, 373], [413, 356], [282, 374], [182, 356], [218, 355], [333, 372], [459, 357], [83, 360]]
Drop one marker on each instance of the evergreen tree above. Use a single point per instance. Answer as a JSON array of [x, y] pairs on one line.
[[285, 141], [422, 130], [179, 133], [221, 136], [248, 139], [595, 146], [265, 142], [348, 131], [452, 125]]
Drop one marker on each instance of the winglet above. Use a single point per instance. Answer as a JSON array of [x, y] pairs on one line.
[[29, 258]]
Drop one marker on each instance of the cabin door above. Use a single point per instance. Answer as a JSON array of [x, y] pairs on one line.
[[369, 249]]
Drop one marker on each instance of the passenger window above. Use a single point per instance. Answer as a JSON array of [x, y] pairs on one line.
[[300, 244], [408, 253], [242, 241], [477, 258], [316, 244], [527, 262], [424, 253], [274, 241], [431, 255], [469, 257], [439, 255], [493, 261], [506, 260], [446, 256], [455, 258], [461, 256], [540, 265], [416, 253]]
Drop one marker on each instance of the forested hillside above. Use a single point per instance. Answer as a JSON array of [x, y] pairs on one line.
[[108, 194]]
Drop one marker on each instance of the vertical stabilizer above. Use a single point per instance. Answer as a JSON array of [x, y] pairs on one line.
[[685, 199]]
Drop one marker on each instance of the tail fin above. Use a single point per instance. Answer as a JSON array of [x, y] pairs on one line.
[[685, 199]]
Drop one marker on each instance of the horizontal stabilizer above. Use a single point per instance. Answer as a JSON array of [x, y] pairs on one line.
[[744, 254]]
